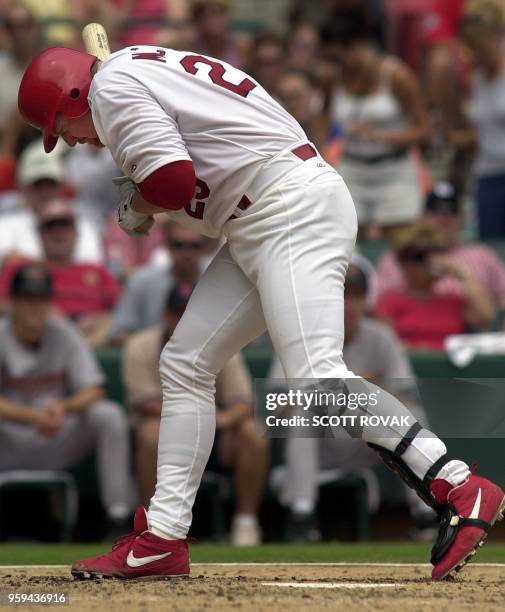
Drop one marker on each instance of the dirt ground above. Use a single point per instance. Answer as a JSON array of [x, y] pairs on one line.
[[241, 587]]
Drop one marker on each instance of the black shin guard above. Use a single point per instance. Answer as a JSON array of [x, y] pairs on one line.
[[394, 461]]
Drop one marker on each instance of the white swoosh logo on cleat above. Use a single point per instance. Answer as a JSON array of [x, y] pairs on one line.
[[474, 514], [133, 561]]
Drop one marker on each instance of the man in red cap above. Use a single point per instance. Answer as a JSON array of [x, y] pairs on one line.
[[201, 140]]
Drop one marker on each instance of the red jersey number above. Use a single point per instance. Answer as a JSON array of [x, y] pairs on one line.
[[216, 74], [202, 193]]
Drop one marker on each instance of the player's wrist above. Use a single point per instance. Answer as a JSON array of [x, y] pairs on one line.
[[141, 207], [133, 222]]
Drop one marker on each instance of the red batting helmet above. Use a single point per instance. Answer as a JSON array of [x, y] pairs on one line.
[[56, 81]]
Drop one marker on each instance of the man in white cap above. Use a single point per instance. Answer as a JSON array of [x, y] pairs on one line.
[[40, 180]]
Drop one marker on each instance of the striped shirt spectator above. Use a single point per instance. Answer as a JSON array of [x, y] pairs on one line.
[[477, 259], [442, 210]]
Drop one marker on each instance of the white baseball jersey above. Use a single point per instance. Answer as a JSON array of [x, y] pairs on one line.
[[152, 106]]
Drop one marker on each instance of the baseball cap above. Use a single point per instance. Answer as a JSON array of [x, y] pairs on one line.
[[178, 297], [56, 210], [31, 280], [442, 199], [35, 164], [356, 278], [361, 275]]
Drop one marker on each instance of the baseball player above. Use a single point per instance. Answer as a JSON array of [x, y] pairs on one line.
[[202, 141]]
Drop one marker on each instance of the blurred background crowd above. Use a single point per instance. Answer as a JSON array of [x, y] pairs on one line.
[[406, 98]]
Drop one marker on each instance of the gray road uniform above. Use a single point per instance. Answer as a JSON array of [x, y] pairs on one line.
[[60, 366]]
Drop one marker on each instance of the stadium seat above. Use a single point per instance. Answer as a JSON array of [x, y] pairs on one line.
[[38, 480], [110, 360], [258, 362], [372, 249]]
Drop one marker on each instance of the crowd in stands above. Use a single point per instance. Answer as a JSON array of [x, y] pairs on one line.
[[405, 98]]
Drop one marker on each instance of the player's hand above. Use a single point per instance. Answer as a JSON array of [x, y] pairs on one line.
[[441, 265], [50, 418], [130, 221], [361, 131]]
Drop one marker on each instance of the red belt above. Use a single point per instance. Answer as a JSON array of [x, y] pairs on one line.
[[303, 152]]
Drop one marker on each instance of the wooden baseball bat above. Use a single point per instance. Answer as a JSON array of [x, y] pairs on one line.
[[97, 44], [96, 40]]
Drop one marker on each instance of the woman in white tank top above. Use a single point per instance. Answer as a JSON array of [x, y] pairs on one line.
[[378, 105]]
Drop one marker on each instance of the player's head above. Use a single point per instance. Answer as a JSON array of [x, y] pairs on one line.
[[415, 247], [296, 92], [211, 17], [56, 224], [355, 294], [482, 28], [31, 292], [186, 248], [344, 33], [22, 31], [303, 46], [267, 59], [443, 210], [53, 96], [40, 176]]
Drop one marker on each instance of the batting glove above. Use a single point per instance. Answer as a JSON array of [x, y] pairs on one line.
[[130, 221]]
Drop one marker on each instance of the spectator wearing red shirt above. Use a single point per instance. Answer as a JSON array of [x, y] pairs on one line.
[[443, 211], [421, 317], [84, 292]]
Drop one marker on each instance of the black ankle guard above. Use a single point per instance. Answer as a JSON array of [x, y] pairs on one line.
[[450, 522], [394, 461]]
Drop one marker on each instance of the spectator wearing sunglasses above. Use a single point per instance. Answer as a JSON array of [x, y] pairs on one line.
[[421, 317], [144, 297], [443, 210]]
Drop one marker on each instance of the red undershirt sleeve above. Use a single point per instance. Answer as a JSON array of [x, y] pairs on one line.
[[172, 186]]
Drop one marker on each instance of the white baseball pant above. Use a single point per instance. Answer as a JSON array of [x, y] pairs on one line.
[[283, 268]]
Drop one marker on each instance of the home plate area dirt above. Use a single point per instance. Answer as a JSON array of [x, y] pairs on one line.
[[272, 588]]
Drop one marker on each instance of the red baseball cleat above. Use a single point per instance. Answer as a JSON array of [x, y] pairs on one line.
[[470, 510], [138, 555]]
